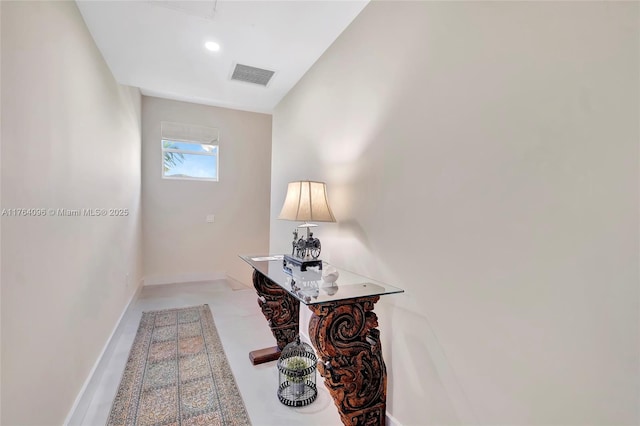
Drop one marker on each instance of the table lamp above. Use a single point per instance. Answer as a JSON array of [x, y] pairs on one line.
[[306, 201]]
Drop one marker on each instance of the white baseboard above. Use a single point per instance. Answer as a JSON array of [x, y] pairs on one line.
[[183, 278], [81, 404], [392, 421]]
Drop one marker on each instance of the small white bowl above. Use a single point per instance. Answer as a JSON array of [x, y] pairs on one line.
[[330, 274]]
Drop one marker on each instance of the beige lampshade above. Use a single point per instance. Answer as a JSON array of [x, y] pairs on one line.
[[307, 201]]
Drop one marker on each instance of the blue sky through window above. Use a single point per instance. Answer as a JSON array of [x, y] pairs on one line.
[[191, 165], [194, 147]]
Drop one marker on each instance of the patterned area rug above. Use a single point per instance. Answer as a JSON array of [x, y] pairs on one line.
[[177, 374]]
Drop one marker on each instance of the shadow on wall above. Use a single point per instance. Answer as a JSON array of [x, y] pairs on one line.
[[352, 228], [348, 247], [424, 370]]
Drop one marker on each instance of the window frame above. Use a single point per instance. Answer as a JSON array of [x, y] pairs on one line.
[[182, 151]]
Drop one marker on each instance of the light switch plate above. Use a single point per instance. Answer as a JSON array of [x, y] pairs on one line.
[[210, 218]]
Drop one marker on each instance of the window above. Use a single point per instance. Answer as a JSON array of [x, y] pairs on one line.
[[188, 160], [189, 152]]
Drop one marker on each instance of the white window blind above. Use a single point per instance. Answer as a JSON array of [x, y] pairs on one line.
[[189, 133]]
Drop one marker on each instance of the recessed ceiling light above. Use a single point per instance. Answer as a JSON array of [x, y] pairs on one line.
[[212, 46]]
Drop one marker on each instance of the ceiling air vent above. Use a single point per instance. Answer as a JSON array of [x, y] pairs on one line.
[[252, 74]]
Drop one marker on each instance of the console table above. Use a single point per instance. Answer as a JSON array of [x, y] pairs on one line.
[[342, 330]]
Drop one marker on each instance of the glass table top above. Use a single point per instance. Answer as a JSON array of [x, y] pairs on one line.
[[310, 288]]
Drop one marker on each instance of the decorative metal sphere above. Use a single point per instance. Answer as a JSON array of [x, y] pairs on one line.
[[297, 367]]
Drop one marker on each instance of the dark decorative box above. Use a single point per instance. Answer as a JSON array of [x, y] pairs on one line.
[[303, 264]]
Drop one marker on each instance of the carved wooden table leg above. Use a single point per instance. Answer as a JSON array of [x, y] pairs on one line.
[[350, 358], [281, 310]]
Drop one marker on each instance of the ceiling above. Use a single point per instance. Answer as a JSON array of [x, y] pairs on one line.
[[158, 46]]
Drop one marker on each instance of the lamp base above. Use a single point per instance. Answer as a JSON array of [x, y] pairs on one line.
[[303, 264]]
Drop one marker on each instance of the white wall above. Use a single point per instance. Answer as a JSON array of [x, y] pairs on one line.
[[484, 157], [178, 243], [70, 140], [0, 220]]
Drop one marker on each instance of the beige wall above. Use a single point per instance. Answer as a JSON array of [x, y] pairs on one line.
[[484, 157], [70, 140], [178, 243]]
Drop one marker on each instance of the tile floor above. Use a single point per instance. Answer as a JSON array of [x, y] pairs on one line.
[[241, 327]]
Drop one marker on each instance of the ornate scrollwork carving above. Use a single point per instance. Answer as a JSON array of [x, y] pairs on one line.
[[350, 358], [279, 308]]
